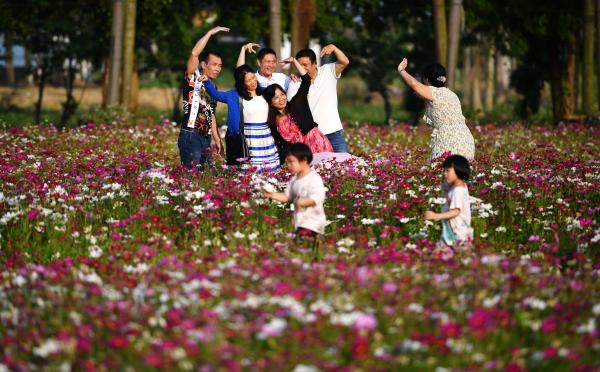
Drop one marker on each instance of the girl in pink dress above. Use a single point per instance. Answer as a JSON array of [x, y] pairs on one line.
[[291, 121]]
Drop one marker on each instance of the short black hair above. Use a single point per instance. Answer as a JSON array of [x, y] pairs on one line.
[[436, 74], [206, 55], [307, 53], [460, 165], [300, 151], [264, 51]]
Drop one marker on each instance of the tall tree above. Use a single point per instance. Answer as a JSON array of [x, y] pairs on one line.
[[376, 42], [441, 33], [500, 90], [467, 84], [476, 80], [116, 54], [588, 56], [489, 78], [8, 59], [275, 25], [128, 52], [453, 40], [598, 51], [303, 19]]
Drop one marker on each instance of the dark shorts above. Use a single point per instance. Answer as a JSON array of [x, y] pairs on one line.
[[301, 232]]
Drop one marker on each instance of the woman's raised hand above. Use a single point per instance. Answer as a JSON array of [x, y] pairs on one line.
[[218, 29], [249, 48], [402, 66]]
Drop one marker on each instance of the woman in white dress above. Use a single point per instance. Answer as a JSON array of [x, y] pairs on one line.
[[247, 113]]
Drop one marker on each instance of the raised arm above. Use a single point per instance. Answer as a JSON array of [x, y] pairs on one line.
[[246, 48], [342, 60], [299, 67], [421, 89], [192, 63]]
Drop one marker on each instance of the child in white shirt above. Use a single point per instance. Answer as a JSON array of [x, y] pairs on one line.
[[456, 213], [305, 190]]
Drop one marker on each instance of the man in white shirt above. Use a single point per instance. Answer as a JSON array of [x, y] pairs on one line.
[[322, 95], [267, 64]]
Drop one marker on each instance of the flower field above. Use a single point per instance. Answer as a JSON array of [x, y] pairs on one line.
[[115, 257]]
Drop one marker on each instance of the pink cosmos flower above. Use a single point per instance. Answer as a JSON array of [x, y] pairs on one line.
[[365, 322]]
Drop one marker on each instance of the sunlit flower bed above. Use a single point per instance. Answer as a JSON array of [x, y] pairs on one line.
[[114, 256]]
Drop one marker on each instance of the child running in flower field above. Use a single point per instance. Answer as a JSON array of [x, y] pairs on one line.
[[456, 213], [305, 190]]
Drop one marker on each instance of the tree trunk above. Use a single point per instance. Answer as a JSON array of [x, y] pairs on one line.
[[128, 53], [569, 82], [135, 87], [41, 73], [500, 80], [476, 76], [303, 18], [275, 25], [386, 105], [10, 66], [588, 57], [555, 82], [106, 82], [562, 79], [489, 80], [467, 78], [454, 37], [28, 64], [70, 105], [116, 54], [441, 34], [598, 51]]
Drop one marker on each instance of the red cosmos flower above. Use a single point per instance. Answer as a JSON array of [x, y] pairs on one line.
[[450, 329], [118, 342], [269, 220], [514, 367], [479, 322], [550, 352], [549, 324], [360, 346], [33, 213]]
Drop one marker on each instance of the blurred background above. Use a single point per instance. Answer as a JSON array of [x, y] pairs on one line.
[[69, 62]]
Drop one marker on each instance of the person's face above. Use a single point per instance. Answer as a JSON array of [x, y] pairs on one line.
[[450, 175], [294, 165], [250, 82], [267, 65], [308, 65], [212, 67], [279, 100]]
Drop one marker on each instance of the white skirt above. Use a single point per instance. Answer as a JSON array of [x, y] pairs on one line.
[[261, 146]]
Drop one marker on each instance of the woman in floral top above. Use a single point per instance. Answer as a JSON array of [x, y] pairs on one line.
[[444, 113]]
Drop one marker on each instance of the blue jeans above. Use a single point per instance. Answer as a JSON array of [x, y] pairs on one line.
[[337, 141], [194, 149]]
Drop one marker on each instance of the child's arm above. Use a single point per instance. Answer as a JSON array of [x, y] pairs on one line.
[[305, 203], [279, 196], [430, 215], [315, 194]]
